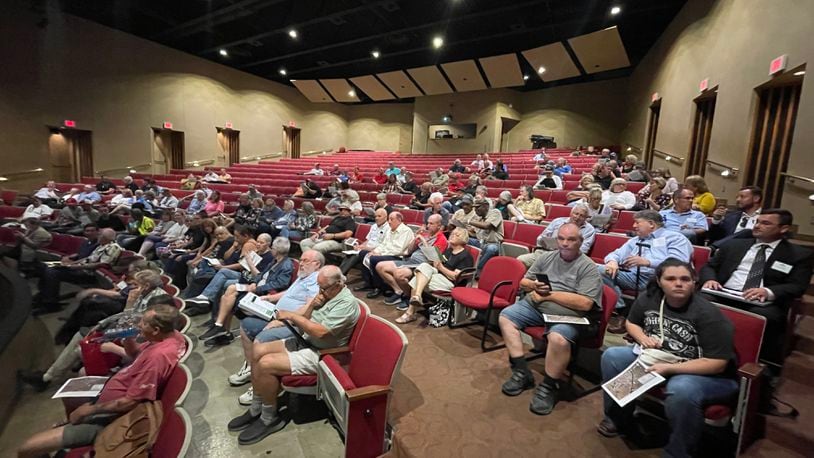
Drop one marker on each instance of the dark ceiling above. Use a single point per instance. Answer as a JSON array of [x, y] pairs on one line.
[[335, 38]]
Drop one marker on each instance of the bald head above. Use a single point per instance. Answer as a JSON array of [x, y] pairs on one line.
[[107, 235]]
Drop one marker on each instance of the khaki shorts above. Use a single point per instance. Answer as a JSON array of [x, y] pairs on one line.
[[438, 281], [303, 360]]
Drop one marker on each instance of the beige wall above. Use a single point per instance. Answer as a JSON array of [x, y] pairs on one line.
[[381, 127], [731, 42], [119, 86]]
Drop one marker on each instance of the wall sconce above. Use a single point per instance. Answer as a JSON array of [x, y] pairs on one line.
[[725, 170]]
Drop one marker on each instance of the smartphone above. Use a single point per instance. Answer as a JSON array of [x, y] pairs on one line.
[[543, 278]]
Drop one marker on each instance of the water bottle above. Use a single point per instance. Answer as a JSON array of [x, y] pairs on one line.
[[118, 333]]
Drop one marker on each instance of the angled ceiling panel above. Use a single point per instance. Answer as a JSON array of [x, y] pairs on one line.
[[340, 90], [600, 51], [430, 79], [312, 90], [372, 87], [464, 75], [502, 71], [400, 84], [555, 59]]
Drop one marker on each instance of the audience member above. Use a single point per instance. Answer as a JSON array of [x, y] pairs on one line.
[[392, 186], [89, 194], [316, 171], [436, 207], [547, 179], [463, 216], [37, 210], [214, 205], [684, 338], [421, 199], [728, 224], [196, 205], [618, 197], [527, 208], [327, 321], [604, 176], [375, 236], [380, 177], [562, 168], [457, 167], [632, 265], [672, 183], [586, 181], [579, 218], [501, 170], [130, 184], [639, 173], [392, 169], [766, 270], [682, 218], [24, 250], [574, 288], [48, 194], [174, 233], [167, 200], [138, 228], [105, 186], [329, 238], [396, 243], [308, 190], [704, 200], [306, 220], [653, 197], [489, 226]]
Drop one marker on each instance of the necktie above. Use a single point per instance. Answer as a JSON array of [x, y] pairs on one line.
[[756, 272]]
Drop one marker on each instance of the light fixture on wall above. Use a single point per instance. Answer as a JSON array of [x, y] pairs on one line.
[[800, 73], [447, 118], [437, 42], [615, 10], [541, 70], [292, 33], [351, 93], [375, 54], [283, 72], [223, 52], [811, 198], [725, 170], [525, 77]]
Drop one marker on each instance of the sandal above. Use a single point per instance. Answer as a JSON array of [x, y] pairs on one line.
[[416, 301], [406, 318]]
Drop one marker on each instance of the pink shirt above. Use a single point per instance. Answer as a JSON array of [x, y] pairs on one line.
[[142, 380], [212, 208]]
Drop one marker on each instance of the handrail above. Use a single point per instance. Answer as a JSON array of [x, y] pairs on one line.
[[797, 177], [199, 163], [126, 167], [5, 176], [314, 153], [264, 156], [668, 157], [726, 171], [633, 148]]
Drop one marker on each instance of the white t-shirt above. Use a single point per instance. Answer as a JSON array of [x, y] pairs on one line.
[[37, 212]]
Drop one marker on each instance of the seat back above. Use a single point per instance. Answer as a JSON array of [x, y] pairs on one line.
[[558, 196], [609, 298], [700, 256], [508, 229], [604, 244], [624, 223], [500, 268], [361, 232], [748, 333], [364, 312], [557, 211], [528, 233], [174, 436], [378, 354], [176, 387], [295, 267]]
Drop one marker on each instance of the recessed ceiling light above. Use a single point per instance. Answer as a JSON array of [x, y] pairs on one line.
[[224, 53], [525, 77], [292, 33], [283, 72], [375, 54], [352, 93], [800, 73], [437, 42], [541, 70], [615, 10]]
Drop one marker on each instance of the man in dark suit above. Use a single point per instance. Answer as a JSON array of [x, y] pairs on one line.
[[764, 268], [726, 225]]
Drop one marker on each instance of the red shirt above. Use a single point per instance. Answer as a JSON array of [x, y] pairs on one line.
[[454, 186], [440, 240], [380, 178], [141, 380]]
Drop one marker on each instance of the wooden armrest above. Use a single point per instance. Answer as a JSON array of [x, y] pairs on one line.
[[334, 351], [366, 392], [751, 371]]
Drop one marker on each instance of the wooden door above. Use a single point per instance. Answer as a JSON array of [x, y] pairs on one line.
[[701, 133]]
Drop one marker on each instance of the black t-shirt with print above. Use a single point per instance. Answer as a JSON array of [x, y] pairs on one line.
[[459, 261], [341, 224], [699, 330]]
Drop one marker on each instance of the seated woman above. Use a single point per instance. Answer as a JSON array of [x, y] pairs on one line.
[[527, 208], [686, 339], [189, 183], [306, 220], [199, 242], [618, 197], [672, 183], [214, 205], [202, 270], [393, 186], [122, 202], [244, 209], [224, 176], [356, 176], [163, 238], [652, 196], [503, 202], [308, 190], [438, 275], [704, 201], [421, 199]]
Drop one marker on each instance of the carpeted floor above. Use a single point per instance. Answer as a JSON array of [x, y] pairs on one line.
[[447, 403]]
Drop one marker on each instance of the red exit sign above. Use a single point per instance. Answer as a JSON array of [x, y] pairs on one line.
[[69, 123], [703, 85], [228, 125], [292, 124], [654, 97], [778, 64], [167, 125]]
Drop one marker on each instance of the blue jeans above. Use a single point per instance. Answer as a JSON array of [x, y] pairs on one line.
[[687, 395], [524, 315], [488, 250], [218, 284], [255, 330], [623, 280]]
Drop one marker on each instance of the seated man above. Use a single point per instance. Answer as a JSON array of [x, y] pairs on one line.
[[579, 217], [329, 238], [37, 210], [260, 331], [438, 275], [374, 236], [562, 168], [81, 270], [682, 218], [397, 273], [327, 322], [457, 167], [463, 216], [632, 265], [143, 380], [105, 186], [396, 243], [48, 194], [89, 194], [436, 200], [683, 326], [167, 200], [574, 288], [275, 277], [547, 179], [489, 225], [726, 225], [439, 179], [24, 250], [763, 268]]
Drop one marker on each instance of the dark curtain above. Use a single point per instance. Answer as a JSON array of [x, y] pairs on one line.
[[80, 147], [233, 143], [177, 151]]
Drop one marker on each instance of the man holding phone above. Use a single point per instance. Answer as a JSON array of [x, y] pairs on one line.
[[562, 282]]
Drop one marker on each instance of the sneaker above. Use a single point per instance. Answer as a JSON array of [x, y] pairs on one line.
[[199, 299], [207, 324], [243, 421], [374, 293], [544, 399], [245, 399], [519, 381], [258, 431], [213, 332], [402, 306], [393, 299], [607, 428], [242, 376], [221, 340], [616, 324]]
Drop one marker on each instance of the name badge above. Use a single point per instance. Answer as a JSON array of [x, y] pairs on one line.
[[659, 242], [782, 267]]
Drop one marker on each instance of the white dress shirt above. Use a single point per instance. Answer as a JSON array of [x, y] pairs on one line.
[[738, 277]]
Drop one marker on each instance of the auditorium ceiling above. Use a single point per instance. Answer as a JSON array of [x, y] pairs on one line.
[[394, 50]]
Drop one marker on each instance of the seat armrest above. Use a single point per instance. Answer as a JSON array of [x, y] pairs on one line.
[[498, 285], [358, 394], [751, 371], [334, 351], [465, 275]]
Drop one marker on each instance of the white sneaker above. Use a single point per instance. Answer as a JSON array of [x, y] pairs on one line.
[[242, 376], [245, 399]]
